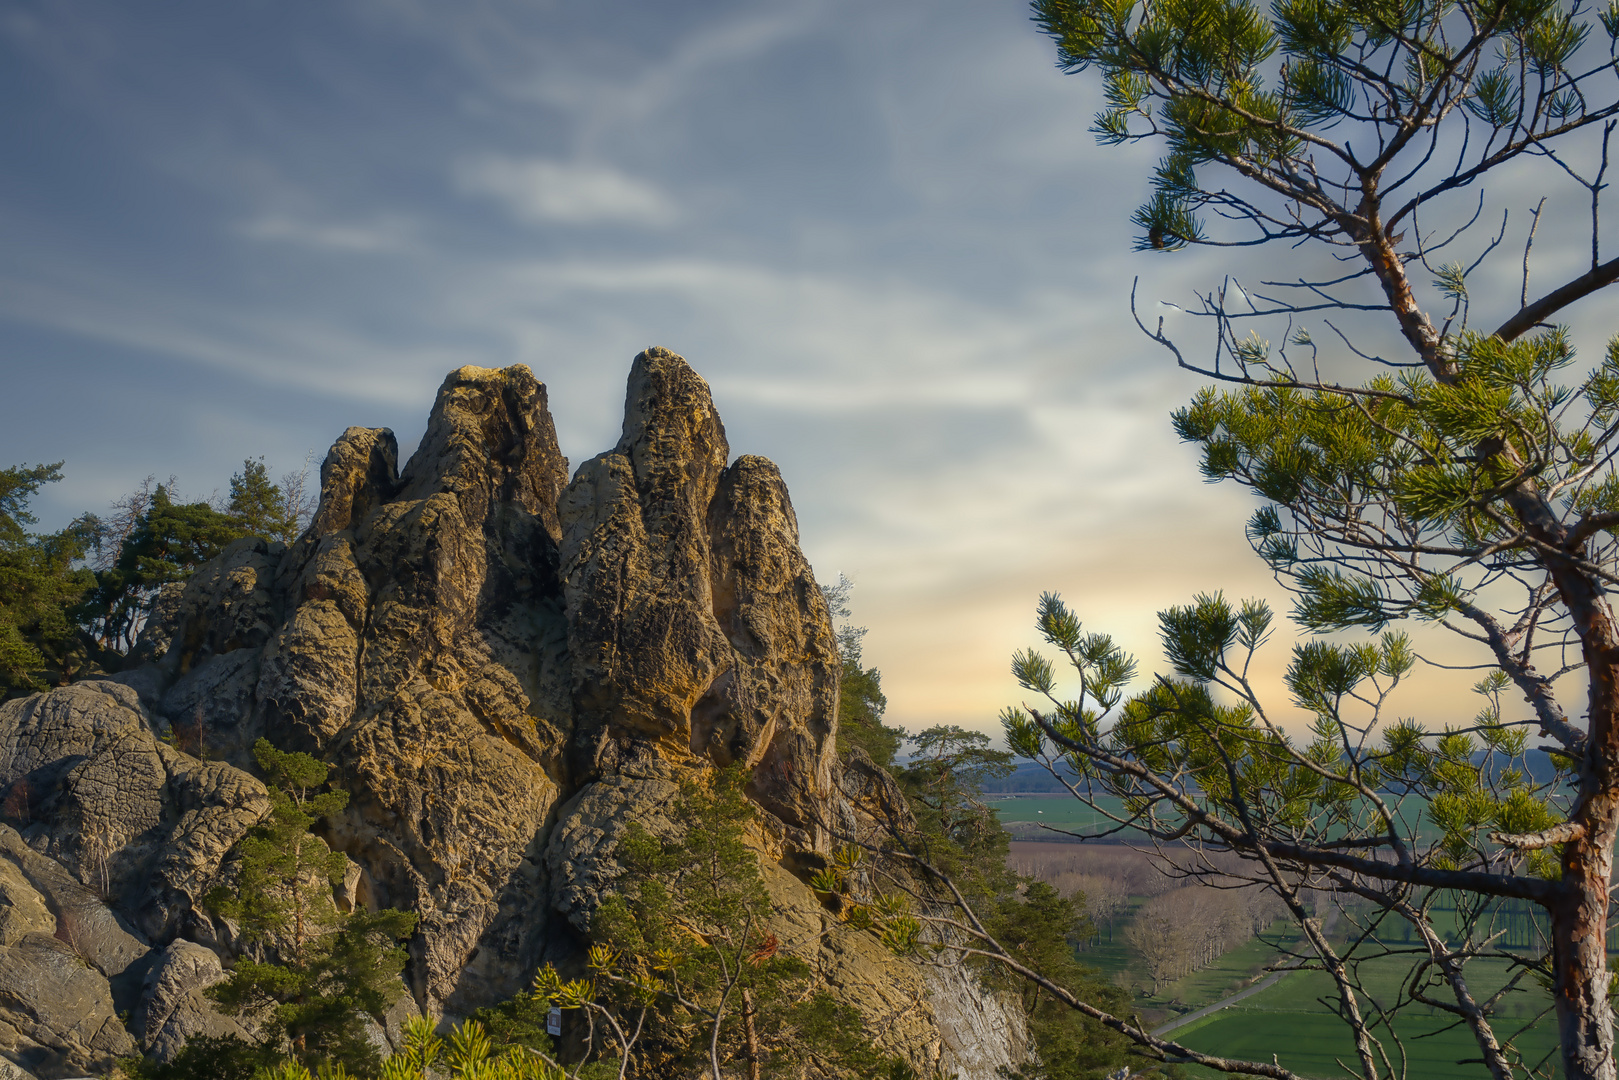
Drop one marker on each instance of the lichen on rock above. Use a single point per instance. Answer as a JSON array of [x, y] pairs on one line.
[[504, 667]]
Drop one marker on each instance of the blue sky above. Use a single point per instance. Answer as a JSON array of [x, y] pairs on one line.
[[881, 231]]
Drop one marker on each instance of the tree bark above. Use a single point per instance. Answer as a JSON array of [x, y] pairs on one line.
[[1579, 915], [751, 1034]]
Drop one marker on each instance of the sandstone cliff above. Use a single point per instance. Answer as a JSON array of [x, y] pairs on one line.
[[504, 667]]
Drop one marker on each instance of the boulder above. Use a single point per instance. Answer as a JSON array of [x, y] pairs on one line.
[[174, 1007], [504, 667], [22, 909], [56, 1012], [89, 785]]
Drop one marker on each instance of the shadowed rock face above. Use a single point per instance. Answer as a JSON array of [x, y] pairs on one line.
[[502, 666]]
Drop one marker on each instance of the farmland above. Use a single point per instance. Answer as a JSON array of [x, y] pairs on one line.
[[1291, 1020], [1294, 1018]]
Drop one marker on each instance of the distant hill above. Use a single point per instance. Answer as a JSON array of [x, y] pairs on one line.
[[1028, 779]]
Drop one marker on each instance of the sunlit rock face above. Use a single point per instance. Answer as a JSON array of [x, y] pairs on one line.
[[503, 667], [694, 620]]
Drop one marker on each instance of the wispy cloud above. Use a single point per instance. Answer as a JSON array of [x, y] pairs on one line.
[[543, 192], [372, 237], [882, 232]]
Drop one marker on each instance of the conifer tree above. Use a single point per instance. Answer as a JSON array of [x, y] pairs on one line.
[[317, 970], [262, 507], [860, 688], [39, 581], [1466, 481], [687, 976], [167, 544]]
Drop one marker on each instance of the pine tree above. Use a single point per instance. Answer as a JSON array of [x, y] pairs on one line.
[[319, 970], [260, 506], [39, 581], [167, 544], [687, 976], [860, 689], [1465, 480]]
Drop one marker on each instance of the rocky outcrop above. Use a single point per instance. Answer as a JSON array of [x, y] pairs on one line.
[[694, 620], [173, 1006], [504, 667]]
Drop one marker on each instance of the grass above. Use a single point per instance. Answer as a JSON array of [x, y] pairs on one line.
[[1291, 1021], [1024, 814], [1066, 812]]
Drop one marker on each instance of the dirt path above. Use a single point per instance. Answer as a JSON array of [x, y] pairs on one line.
[[1181, 1021], [1268, 981]]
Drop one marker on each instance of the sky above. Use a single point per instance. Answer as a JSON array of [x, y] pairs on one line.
[[882, 232]]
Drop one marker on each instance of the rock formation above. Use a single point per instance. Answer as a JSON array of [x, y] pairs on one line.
[[503, 667]]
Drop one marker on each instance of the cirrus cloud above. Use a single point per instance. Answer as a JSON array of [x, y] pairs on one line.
[[540, 191]]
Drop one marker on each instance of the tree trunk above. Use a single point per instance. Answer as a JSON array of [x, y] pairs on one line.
[[1580, 959], [751, 1034], [1579, 916]]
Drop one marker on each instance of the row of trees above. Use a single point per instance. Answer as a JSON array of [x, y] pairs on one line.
[[1189, 928], [74, 601]]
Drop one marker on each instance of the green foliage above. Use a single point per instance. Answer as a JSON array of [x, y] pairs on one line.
[[1183, 764], [1396, 466], [319, 970], [39, 644], [205, 1057], [860, 692], [157, 541], [1475, 490], [1042, 931], [959, 836], [1231, 764], [261, 507], [1255, 89], [956, 830], [683, 955], [468, 1054], [167, 544]]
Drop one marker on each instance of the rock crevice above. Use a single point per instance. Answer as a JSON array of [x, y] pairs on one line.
[[503, 665]]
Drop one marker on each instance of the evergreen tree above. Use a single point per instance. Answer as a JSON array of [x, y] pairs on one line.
[[167, 544], [1464, 478], [260, 506], [1042, 929], [318, 969], [687, 975], [207, 1057], [39, 581], [956, 830], [860, 691]]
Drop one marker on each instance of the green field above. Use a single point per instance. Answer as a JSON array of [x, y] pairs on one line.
[[1290, 1021], [1023, 814]]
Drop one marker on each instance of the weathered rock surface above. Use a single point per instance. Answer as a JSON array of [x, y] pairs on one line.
[[9, 1071], [694, 620], [504, 667], [56, 1012], [89, 785], [173, 1005]]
